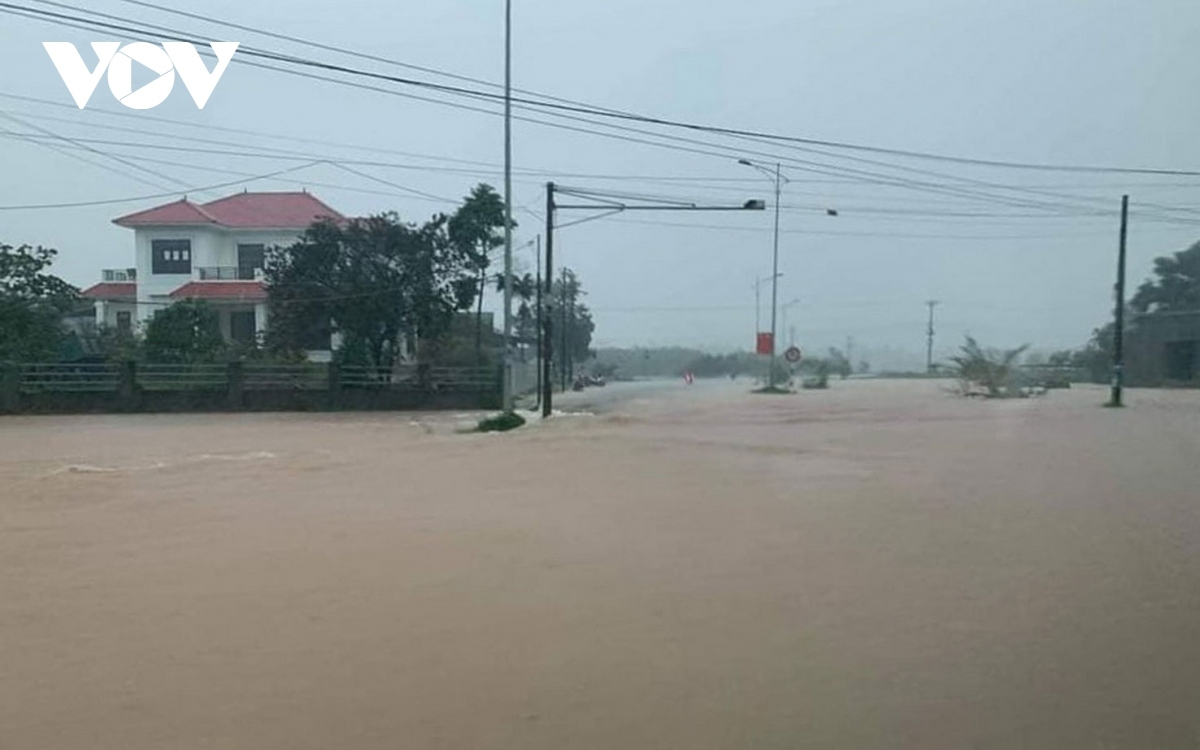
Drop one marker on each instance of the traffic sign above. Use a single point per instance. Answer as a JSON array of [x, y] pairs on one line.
[[792, 355], [765, 343]]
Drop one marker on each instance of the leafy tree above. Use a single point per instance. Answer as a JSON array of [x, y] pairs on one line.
[[187, 332], [1096, 358], [371, 280], [839, 364], [477, 228], [572, 321], [1177, 286], [116, 345], [32, 303], [525, 325]]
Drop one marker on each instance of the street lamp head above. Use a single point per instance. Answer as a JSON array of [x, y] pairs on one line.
[[755, 204], [745, 162], [831, 212]]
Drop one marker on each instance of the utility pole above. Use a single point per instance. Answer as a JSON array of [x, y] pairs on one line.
[[566, 332], [547, 334], [1118, 381], [850, 352], [607, 204], [537, 282], [775, 275], [508, 209], [929, 334]]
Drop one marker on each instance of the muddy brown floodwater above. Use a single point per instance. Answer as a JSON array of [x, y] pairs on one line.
[[880, 565]]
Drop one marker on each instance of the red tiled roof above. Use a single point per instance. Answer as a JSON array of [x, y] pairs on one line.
[[245, 291], [240, 211], [270, 210], [182, 212], [112, 290]]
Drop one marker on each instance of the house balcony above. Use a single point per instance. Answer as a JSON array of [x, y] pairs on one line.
[[118, 275], [227, 273]]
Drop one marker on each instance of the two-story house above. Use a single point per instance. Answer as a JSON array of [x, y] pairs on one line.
[[212, 252]]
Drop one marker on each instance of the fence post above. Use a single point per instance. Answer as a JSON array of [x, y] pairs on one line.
[[335, 385], [10, 387], [235, 377], [128, 391]]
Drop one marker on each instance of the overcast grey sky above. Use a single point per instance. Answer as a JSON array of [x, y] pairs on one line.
[[1043, 81]]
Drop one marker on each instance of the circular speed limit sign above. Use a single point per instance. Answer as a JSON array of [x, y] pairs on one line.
[[792, 355]]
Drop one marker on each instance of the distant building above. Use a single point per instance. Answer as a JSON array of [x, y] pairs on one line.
[[212, 252], [1163, 349]]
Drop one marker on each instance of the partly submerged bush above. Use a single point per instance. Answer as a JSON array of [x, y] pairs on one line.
[[502, 422], [988, 372]]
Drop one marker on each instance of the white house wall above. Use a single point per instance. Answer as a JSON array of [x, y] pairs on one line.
[[106, 312], [211, 246], [154, 290]]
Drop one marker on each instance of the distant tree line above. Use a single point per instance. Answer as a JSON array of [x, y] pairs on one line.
[[675, 361]]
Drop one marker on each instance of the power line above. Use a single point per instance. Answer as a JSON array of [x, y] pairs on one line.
[[98, 152], [136, 199], [886, 235], [816, 167], [582, 108], [891, 214]]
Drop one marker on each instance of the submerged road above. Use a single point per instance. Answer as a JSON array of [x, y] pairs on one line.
[[641, 394], [880, 565]]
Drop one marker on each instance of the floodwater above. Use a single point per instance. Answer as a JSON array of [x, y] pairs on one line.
[[880, 565]]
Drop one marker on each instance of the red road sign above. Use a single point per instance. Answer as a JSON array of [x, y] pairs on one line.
[[792, 355], [766, 343]]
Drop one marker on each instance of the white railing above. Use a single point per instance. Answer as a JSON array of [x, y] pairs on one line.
[[119, 274], [228, 273]]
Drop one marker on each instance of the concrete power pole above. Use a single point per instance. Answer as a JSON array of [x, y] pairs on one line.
[[507, 364], [1118, 380], [929, 334]]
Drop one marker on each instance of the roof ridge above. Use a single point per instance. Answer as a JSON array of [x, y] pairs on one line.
[[231, 196], [182, 201]]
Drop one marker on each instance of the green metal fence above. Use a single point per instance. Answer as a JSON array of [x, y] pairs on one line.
[[130, 386], [82, 378]]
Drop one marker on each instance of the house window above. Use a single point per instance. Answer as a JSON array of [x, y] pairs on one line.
[[124, 323], [171, 256], [250, 259]]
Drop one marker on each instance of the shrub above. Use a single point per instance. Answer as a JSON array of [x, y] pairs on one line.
[[502, 422]]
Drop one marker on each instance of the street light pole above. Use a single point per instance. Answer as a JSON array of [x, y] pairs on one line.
[[757, 309], [508, 210], [758, 304], [787, 306], [777, 176], [775, 275], [929, 332]]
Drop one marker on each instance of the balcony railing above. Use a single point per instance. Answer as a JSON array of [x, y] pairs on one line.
[[119, 274], [228, 273]]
